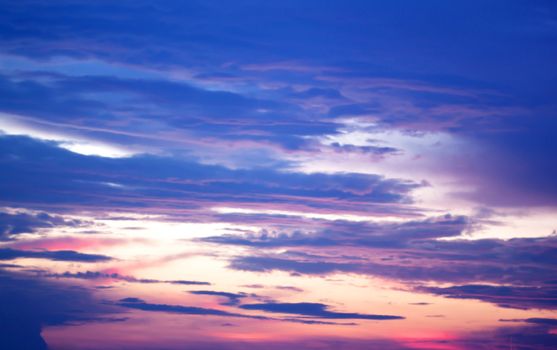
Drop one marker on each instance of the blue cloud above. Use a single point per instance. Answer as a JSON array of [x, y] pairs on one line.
[[59, 176], [354, 234], [135, 303], [519, 297], [521, 270], [314, 310], [233, 298], [56, 255], [92, 275], [139, 304], [30, 303], [13, 224]]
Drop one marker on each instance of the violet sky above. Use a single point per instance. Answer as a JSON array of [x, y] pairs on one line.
[[278, 174]]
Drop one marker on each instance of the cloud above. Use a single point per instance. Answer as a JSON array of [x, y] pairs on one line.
[[266, 264], [358, 234], [373, 150], [135, 303], [290, 288], [235, 117], [95, 275], [542, 297], [233, 298], [29, 303], [516, 273], [17, 223], [314, 310], [58, 255], [236, 92], [535, 320], [528, 337], [67, 179], [139, 304], [404, 264]]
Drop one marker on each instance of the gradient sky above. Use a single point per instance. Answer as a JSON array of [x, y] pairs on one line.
[[278, 174]]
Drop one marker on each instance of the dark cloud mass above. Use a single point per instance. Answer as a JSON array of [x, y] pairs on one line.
[[139, 304], [135, 303], [16, 223], [356, 234], [57, 255], [505, 296], [28, 304], [523, 269], [314, 310], [96, 275], [233, 298]]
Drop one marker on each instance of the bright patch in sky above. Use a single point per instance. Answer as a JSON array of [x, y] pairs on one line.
[[11, 125]]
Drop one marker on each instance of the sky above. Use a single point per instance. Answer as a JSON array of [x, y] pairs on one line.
[[257, 175]]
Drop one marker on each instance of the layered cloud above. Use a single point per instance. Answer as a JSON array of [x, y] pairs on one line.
[[301, 140], [231, 106], [314, 310], [96, 275], [16, 223], [517, 273], [136, 303], [56, 255], [62, 178]]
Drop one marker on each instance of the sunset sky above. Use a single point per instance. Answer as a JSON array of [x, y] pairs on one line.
[[268, 175]]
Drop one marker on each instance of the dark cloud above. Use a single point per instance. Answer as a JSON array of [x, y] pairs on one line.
[[13, 224], [266, 264], [535, 320], [373, 150], [357, 234], [540, 297], [93, 275], [189, 283], [516, 273], [314, 310], [535, 279], [10, 266], [528, 337], [136, 303], [29, 303], [57, 255], [62, 177], [203, 113], [290, 288], [233, 298]]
